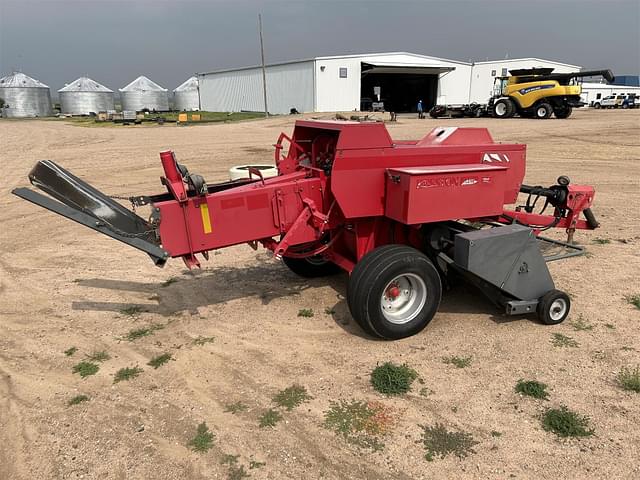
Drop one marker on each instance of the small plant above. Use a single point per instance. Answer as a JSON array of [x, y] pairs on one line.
[[229, 459], [459, 362], [305, 312], [438, 441], [169, 281], [255, 464], [269, 418], [425, 392], [101, 356], [633, 300], [127, 374], [237, 472], [610, 326], [78, 399], [70, 351], [496, 434], [360, 423], [203, 340], [531, 388], [329, 311], [291, 397], [157, 362], [601, 241], [236, 407], [629, 379], [560, 340], [203, 440], [391, 379], [133, 310], [581, 325], [565, 423], [137, 333], [84, 369]]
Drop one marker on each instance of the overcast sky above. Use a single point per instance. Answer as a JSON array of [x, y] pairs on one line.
[[114, 41]]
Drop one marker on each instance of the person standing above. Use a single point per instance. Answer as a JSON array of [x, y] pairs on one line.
[[420, 109]]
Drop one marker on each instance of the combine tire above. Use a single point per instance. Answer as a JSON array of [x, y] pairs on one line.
[[311, 267], [563, 112], [504, 108], [543, 111], [553, 307], [394, 292]]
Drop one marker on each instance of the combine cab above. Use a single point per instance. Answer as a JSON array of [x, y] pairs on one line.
[[401, 217]]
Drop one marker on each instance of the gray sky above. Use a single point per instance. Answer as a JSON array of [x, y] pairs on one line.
[[114, 41]]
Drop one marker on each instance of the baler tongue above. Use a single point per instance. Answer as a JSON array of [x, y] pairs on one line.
[[79, 201]]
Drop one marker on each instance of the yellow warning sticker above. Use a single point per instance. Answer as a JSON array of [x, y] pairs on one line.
[[206, 220]]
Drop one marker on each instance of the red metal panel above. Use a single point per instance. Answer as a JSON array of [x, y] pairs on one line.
[[432, 194]]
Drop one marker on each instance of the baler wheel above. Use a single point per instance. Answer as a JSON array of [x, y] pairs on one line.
[[311, 267], [553, 307], [396, 292]]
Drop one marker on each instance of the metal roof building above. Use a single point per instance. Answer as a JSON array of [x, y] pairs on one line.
[[24, 96], [84, 96], [144, 94], [186, 96], [343, 83]]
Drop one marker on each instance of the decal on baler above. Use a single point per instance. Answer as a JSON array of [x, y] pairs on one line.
[[206, 219], [447, 182], [495, 157]]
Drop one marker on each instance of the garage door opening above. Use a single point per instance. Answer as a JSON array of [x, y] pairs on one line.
[[400, 87]]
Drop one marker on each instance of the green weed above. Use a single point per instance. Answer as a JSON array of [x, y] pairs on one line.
[[438, 441], [531, 388], [633, 300], [629, 379], [255, 464], [565, 423], [133, 310], [78, 399], [70, 351], [137, 333], [236, 407], [127, 374], [269, 418], [329, 311], [581, 325], [101, 356], [391, 379], [237, 472], [360, 423], [203, 440], [560, 340], [157, 362], [496, 434], [291, 397], [305, 312], [601, 241], [203, 340], [459, 362], [229, 459], [84, 369]]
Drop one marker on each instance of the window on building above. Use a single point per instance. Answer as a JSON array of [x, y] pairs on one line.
[[504, 72], [493, 73], [343, 72], [598, 96]]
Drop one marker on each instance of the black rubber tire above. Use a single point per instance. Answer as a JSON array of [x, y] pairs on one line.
[[380, 267], [509, 108], [542, 111], [597, 105], [311, 269], [359, 269], [563, 112], [545, 303]]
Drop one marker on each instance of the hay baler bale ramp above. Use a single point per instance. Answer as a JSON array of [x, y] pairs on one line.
[[401, 217]]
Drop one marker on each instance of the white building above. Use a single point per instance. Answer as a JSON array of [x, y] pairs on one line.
[[341, 83], [593, 93]]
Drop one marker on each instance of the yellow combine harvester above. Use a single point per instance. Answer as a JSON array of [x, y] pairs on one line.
[[539, 93]]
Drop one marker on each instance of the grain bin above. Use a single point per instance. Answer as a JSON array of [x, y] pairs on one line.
[[84, 96], [24, 96], [186, 96], [143, 94]]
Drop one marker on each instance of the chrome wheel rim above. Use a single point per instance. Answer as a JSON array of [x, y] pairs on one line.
[[501, 109], [558, 309], [542, 111], [403, 298]]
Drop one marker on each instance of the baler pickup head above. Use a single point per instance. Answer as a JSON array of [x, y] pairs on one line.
[[82, 203]]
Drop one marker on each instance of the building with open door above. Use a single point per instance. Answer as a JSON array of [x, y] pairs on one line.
[[344, 83]]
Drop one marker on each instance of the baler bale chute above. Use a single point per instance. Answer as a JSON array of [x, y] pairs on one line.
[[401, 217]]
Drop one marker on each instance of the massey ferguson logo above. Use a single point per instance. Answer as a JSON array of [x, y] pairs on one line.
[[495, 157], [449, 182]]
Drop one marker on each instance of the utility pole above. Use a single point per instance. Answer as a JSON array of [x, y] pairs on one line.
[[264, 70]]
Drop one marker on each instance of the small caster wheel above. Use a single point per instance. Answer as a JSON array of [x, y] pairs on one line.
[[563, 180], [553, 307]]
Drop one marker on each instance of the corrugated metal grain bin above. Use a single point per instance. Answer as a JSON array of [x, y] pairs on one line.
[[143, 94], [24, 96], [85, 96], [186, 96]]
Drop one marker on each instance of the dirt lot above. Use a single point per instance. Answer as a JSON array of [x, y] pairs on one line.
[[63, 286]]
